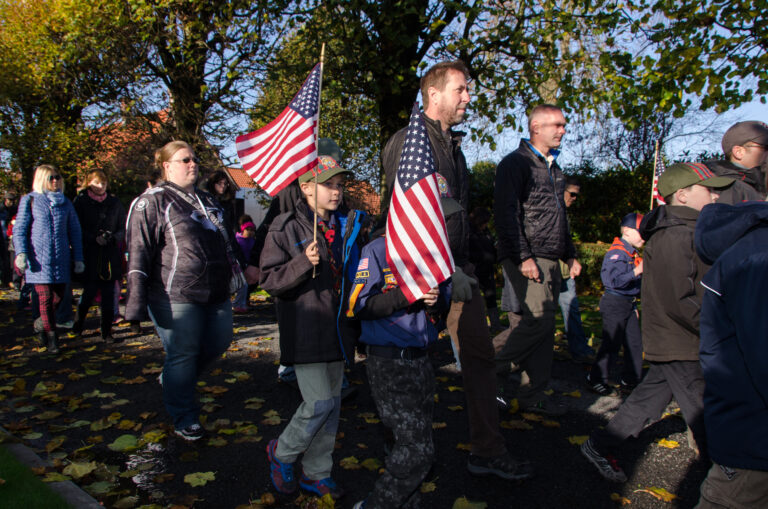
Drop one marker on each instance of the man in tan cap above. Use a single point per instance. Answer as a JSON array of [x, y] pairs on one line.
[[745, 145]]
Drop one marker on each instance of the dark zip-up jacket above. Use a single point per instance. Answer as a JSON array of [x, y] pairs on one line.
[[671, 292], [175, 253], [734, 332], [747, 182], [529, 209], [312, 327], [451, 164]]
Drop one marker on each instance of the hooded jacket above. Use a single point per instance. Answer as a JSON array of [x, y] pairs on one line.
[[734, 332], [529, 209], [312, 326], [617, 272], [48, 232], [671, 292], [451, 164], [747, 186]]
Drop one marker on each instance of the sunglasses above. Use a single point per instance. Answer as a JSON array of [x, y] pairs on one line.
[[573, 195], [52, 178], [186, 160]]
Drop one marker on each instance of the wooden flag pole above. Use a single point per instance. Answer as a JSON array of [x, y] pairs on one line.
[[655, 165], [317, 145]]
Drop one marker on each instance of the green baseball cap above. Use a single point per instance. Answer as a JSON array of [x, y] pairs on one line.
[[681, 175], [325, 169]]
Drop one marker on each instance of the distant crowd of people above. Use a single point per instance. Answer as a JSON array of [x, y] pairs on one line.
[[703, 331]]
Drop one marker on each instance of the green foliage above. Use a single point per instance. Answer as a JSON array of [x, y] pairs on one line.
[[606, 197], [481, 179], [591, 256]]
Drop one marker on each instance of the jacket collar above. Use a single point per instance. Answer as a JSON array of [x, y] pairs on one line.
[[435, 127]]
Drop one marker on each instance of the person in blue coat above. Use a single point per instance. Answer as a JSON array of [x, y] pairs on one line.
[[46, 236], [733, 351]]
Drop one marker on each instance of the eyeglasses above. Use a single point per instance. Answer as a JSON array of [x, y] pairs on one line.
[[573, 195], [186, 160], [52, 178]]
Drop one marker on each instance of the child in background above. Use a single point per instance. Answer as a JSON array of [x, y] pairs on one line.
[[245, 239], [621, 273], [309, 280]]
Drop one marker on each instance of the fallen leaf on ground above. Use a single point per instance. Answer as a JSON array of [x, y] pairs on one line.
[[126, 502], [515, 424], [574, 394], [55, 477], [531, 417], [578, 439], [439, 425], [428, 486], [454, 388], [369, 417], [463, 503], [619, 499], [669, 444], [659, 493], [350, 463], [463, 447], [550, 424], [79, 470], [455, 408], [124, 443], [371, 464], [199, 478]]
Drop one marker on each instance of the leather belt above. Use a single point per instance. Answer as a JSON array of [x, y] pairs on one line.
[[394, 352]]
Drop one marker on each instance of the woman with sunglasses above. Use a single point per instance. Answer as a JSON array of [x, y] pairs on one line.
[[102, 218], [46, 230], [218, 185], [180, 264]]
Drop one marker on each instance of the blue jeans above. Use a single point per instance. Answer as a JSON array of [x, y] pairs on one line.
[[193, 335], [574, 332], [241, 297]]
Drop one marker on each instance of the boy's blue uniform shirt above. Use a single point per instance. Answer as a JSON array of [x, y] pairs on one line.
[[402, 325], [617, 272]]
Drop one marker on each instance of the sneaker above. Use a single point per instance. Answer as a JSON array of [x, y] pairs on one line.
[[501, 403], [191, 433], [65, 325], [626, 387], [545, 407], [605, 464], [117, 319], [600, 388], [280, 473], [321, 487], [359, 505], [504, 466]]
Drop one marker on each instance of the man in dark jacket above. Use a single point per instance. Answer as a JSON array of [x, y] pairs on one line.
[[745, 145], [734, 353], [671, 296], [533, 237], [445, 95]]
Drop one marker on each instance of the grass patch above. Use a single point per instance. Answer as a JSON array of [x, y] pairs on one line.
[[22, 489]]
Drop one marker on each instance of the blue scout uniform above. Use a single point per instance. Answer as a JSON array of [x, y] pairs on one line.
[[619, 313], [399, 372]]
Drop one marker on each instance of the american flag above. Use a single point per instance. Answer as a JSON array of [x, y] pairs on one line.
[[279, 152], [658, 169], [417, 242]]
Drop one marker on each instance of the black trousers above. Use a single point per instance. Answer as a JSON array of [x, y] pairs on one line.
[[681, 380], [107, 304], [620, 328]]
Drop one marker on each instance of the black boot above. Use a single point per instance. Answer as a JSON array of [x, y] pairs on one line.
[[77, 327], [53, 341], [42, 339]]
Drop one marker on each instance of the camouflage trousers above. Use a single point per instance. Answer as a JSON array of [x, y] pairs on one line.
[[404, 394]]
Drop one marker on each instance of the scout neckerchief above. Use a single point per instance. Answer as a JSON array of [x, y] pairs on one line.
[[619, 244], [333, 241]]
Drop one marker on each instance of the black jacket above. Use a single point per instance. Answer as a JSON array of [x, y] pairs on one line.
[[529, 209], [450, 163], [671, 292], [312, 328], [174, 252], [747, 185], [106, 219]]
